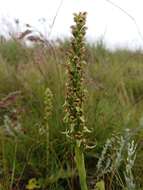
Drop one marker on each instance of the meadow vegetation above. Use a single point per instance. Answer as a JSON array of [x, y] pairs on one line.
[[35, 152]]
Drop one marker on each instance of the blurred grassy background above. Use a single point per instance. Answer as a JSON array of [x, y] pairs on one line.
[[114, 80]]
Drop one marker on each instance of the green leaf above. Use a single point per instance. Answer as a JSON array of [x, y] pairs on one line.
[[100, 185], [32, 184]]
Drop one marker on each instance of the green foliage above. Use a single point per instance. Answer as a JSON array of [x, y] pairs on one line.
[[100, 185], [32, 184], [13, 52], [114, 102]]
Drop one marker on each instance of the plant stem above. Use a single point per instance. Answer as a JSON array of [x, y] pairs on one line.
[[79, 158], [14, 166]]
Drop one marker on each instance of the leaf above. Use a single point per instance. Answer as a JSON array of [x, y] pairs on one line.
[[100, 185], [32, 184]]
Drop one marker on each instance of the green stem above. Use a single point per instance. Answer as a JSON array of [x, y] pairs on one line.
[[79, 158], [14, 166]]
